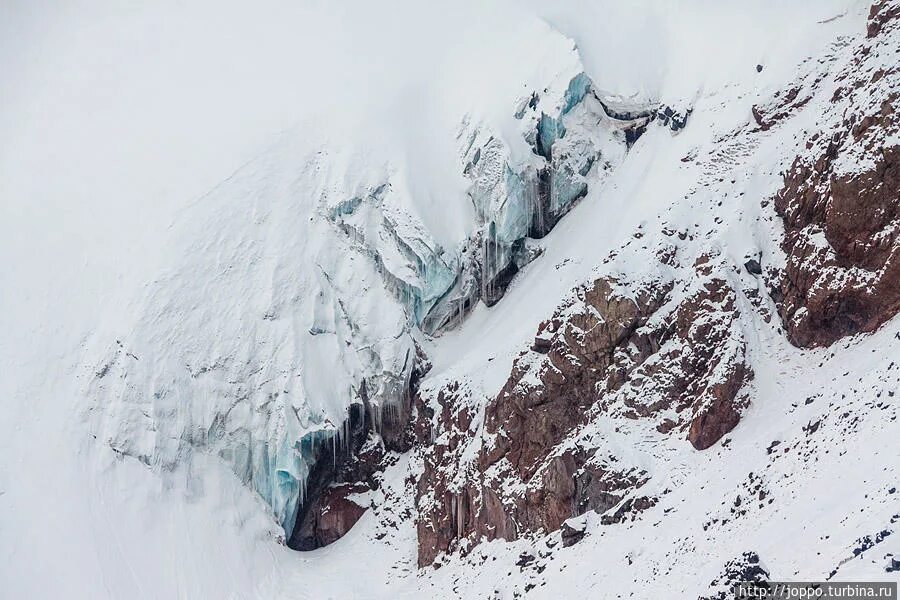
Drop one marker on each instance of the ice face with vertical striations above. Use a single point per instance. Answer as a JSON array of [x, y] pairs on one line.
[[414, 267], [517, 195], [254, 345]]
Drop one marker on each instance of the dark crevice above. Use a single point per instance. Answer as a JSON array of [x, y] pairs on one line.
[[353, 460], [542, 220], [332, 465], [496, 287]]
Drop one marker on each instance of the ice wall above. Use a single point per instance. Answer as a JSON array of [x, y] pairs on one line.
[[571, 140], [259, 329], [566, 133], [414, 267]]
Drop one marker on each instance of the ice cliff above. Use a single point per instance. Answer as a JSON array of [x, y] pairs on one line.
[[303, 278]]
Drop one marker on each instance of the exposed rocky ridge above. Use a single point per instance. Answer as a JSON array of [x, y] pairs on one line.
[[653, 350], [669, 350], [666, 350], [841, 198]]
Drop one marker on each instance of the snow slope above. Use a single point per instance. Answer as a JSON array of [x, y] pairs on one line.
[[215, 222]]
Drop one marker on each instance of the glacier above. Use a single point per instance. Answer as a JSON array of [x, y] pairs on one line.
[[340, 275], [207, 328]]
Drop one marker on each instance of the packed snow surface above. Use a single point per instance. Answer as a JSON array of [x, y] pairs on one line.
[[217, 220]]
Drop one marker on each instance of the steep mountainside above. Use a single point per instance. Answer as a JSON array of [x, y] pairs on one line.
[[614, 433], [598, 331]]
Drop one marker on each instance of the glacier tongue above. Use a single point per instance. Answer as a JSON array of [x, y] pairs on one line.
[[301, 278]]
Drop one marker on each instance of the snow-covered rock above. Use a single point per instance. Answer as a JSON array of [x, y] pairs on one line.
[[528, 307]]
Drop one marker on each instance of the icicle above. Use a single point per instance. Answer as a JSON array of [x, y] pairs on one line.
[[379, 418], [345, 427], [453, 508], [459, 515]]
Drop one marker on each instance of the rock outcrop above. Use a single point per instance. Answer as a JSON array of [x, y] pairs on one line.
[[840, 202], [746, 568], [331, 516], [667, 350], [340, 470], [670, 354]]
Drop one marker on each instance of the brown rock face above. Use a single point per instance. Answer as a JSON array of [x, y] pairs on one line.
[[784, 106], [721, 416], [530, 419], [329, 510], [880, 14], [614, 349], [841, 205], [333, 515]]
